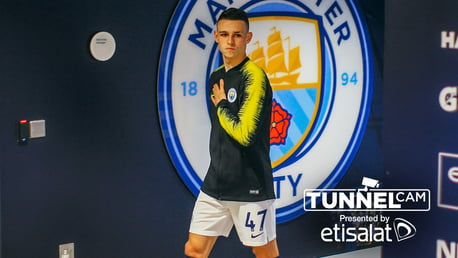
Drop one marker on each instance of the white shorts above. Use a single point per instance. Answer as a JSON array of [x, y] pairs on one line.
[[254, 221]]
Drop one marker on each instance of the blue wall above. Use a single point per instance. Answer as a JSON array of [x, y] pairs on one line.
[[101, 178]]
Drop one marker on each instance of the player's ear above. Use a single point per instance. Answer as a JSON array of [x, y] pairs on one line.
[[249, 36], [215, 36]]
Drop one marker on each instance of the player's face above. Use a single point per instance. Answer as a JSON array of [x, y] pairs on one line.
[[232, 37]]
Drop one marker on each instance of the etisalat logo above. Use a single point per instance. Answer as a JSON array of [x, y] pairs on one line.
[[360, 215]]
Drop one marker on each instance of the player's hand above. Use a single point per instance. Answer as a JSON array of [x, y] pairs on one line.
[[218, 93]]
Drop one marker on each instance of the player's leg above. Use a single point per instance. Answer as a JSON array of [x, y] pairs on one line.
[[269, 250], [210, 219], [199, 246]]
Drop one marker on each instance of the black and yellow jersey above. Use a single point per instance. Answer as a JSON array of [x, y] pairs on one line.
[[240, 168]]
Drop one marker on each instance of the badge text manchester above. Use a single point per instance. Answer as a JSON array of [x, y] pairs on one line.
[[332, 14]]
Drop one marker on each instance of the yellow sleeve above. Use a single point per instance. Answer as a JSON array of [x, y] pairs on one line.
[[242, 126]]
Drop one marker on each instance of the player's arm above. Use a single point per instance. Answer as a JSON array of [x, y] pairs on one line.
[[243, 125]]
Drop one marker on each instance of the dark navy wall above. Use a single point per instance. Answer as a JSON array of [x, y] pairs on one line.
[[101, 178], [417, 129]]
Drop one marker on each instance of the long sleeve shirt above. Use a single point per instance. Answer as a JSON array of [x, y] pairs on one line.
[[240, 168]]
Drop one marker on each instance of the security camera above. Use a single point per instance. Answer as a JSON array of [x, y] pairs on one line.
[[369, 182]]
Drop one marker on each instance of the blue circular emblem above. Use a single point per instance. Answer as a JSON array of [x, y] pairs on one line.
[[317, 57], [231, 95]]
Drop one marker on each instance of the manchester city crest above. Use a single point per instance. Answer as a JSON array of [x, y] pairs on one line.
[[318, 60]]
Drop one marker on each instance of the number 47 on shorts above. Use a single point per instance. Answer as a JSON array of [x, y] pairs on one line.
[[259, 217]]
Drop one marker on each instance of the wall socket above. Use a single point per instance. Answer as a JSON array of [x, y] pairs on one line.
[[67, 250]]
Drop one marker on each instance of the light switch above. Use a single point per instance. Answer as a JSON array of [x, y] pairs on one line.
[[37, 128]]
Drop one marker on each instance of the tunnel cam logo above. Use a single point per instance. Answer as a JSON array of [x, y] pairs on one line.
[[316, 56]]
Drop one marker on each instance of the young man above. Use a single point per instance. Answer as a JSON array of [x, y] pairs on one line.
[[238, 188]]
